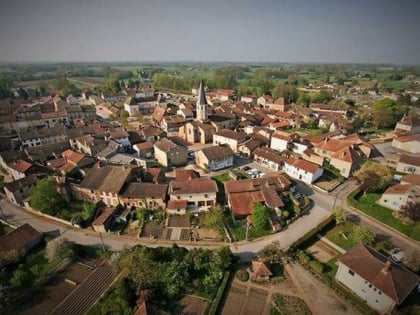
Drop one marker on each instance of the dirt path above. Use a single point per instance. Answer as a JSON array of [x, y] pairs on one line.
[[319, 298]]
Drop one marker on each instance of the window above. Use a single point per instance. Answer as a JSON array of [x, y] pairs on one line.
[[351, 272], [379, 292], [205, 196], [201, 203], [370, 285]]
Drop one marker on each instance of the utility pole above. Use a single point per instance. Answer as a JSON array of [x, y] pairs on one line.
[[102, 242], [247, 228]]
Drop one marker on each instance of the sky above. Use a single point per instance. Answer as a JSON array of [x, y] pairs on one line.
[[295, 31]]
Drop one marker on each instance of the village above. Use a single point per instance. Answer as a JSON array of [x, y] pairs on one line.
[[214, 168]]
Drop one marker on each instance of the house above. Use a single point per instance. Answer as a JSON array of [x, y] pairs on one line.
[[268, 158], [198, 193], [90, 144], [104, 183], [144, 149], [231, 138], [120, 136], [408, 164], [265, 100], [20, 240], [248, 98], [183, 174], [243, 194], [407, 143], [171, 125], [18, 169], [144, 195], [279, 104], [302, 170], [398, 195], [310, 156], [167, 153], [328, 109], [248, 147], [408, 125], [18, 190], [347, 160], [104, 221], [214, 158], [374, 278], [38, 137], [411, 179], [260, 271], [154, 175]]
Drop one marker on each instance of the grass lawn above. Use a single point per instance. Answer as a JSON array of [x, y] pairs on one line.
[[342, 235], [222, 178], [366, 204], [285, 304], [239, 231]]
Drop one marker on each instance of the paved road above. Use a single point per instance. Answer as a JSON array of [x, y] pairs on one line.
[[244, 249], [338, 198]]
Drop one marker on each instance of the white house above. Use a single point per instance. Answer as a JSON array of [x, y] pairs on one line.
[[409, 164], [376, 280], [398, 195], [302, 170], [280, 141]]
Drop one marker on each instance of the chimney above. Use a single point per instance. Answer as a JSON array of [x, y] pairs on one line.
[[386, 268]]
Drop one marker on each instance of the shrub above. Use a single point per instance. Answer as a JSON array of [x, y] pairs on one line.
[[242, 275], [316, 266], [59, 248], [303, 257]]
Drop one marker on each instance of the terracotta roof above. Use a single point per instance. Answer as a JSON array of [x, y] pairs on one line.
[[144, 145], [118, 133], [410, 121], [217, 152], [411, 179], [393, 280], [252, 144], [231, 134], [243, 203], [20, 183], [280, 101], [144, 190], [331, 144], [165, 145], [73, 156], [155, 172], [107, 178], [409, 159], [182, 174], [282, 135], [398, 189], [261, 269], [177, 204], [302, 164], [408, 138], [281, 182], [20, 166], [158, 113], [18, 239], [107, 214], [269, 154], [279, 124], [347, 154], [193, 186]]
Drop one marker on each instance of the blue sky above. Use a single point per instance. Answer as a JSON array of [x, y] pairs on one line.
[[365, 31]]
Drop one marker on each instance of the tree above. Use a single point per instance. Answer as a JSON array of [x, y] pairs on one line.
[[321, 97], [373, 176], [260, 216], [363, 234], [411, 210], [387, 112], [44, 197], [316, 266], [221, 258], [304, 99], [59, 249], [113, 84], [215, 218], [339, 215], [273, 252], [21, 278], [173, 277]]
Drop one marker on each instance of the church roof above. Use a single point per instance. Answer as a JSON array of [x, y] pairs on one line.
[[201, 94]]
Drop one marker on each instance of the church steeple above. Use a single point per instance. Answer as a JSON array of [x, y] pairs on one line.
[[201, 105]]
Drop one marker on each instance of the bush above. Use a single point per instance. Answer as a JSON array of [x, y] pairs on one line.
[[303, 257], [59, 248], [316, 266], [242, 275]]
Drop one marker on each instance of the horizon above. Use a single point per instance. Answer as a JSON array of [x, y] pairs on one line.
[[162, 31]]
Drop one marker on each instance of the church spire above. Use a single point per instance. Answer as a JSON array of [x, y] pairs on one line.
[[201, 94], [201, 105]]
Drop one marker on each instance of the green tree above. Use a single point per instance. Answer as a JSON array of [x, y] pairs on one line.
[[339, 215], [373, 176], [260, 216], [21, 278], [112, 84], [59, 248], [363, 234], [321, 97], [215, 218], [304, 99], [44, 197], [221, 258], [387, 112], [316, 266], [273, 252], [173, 277]]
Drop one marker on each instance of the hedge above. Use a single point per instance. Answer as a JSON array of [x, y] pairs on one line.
[[219, 295]]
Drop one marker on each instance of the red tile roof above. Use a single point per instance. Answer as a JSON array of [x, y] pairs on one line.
[[303, 165], [261, 269], [398, 189], [177, 204], [18, 239], [393, 280], [20, 166], [193, 186]]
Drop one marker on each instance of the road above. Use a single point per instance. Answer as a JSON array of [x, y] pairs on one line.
[[323, 205], [245, 249], [338, 198]]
